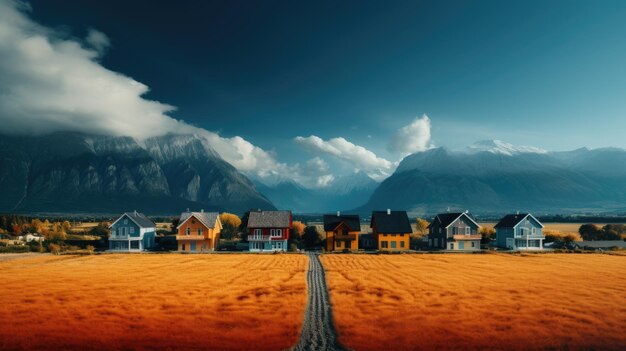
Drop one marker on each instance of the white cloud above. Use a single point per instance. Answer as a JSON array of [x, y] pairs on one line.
[[98, 40], [355, 155], [52, 83], [412, 138]]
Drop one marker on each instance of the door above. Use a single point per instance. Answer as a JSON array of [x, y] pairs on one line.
[[193, 246], [461, 245], [348, 244]]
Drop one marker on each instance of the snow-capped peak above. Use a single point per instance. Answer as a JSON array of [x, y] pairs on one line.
[[503, 148]]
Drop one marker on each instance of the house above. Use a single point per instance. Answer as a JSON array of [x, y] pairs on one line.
[[599, 244], [342, 232], [520, 232], [31, 237], [133, 231], [392, 230], [454, 231], [269, 230], [198, 231]]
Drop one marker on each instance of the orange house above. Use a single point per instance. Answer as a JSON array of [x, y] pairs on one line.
[[392, 230], [342, 232], [198, 231]]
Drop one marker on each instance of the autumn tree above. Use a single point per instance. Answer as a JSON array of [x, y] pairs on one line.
[[312, 237], [487, 234], [297, 230], [230, 225], [421, 227]]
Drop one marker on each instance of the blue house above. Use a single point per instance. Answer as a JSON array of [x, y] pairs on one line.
[[132, 232], [520, 232]]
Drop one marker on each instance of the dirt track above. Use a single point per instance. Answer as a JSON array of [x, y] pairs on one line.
[[318, 330]]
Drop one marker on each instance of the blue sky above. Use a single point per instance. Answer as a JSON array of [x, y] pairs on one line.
[[550, 74]]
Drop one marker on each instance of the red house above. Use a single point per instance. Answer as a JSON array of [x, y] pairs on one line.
[[269, 230]]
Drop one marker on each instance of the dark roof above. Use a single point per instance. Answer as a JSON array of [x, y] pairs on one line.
[[332, 221], [447, 218], [511, 220], [207, 218], [140, 219], [269, 219], [396, 222], [601, 244]]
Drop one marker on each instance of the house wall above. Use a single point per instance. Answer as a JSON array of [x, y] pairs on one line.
[[340, 245], [125, 225], [467, 245], [400, 241], [267, 231]]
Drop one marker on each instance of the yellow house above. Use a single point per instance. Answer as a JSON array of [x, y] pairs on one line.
[[342, 232], [392, 230]]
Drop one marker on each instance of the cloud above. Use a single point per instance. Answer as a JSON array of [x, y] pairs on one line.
[[355, 155], [412, 138], [98, 40], [50, 82]]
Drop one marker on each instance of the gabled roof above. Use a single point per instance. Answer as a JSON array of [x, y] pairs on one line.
[[331, 222], [396, 222], [139, 218], [207, 218], [512, 220], [448, 218], [269, 219]]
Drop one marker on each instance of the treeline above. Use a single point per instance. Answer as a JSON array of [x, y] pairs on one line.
[[608, 232]]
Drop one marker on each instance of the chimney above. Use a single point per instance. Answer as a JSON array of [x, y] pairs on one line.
[[135, 212], [202, 210], [388, 211], [338, 213], [517, 213], [187, 209]]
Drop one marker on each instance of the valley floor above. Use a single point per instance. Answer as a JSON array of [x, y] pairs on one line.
[[492, 301], [122, 301]]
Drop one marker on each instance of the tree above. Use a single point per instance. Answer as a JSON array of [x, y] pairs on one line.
[[590, 232], [421, 226], [16, 229], [102, 230], [487, 234], [295, 236], [230, 225], [66, 227], [613, 231], [312, 237]]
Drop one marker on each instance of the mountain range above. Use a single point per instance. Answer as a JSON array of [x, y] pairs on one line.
[[497, 177], [79, 173], [344, 193]]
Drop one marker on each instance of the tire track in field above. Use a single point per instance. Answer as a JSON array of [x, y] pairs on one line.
[[318, 330]]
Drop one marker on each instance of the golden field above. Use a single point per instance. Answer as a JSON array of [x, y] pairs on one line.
[[148, 301], [493, 301]]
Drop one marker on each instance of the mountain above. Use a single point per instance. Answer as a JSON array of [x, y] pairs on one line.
[[345, 192], [497, 177], [73, 172]]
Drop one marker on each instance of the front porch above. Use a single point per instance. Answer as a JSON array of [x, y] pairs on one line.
[[268, 246], [525, 243], [126, 245]]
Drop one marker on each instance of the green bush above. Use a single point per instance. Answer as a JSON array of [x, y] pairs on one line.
[[15, 249]]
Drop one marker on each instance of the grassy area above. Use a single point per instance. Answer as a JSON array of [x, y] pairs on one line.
[[152, 302], [489, 301]]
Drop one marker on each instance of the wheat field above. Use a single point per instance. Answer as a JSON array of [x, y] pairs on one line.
[[143, 302], [493, 301]]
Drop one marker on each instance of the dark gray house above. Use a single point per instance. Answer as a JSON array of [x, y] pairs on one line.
[[454, 231], [520, 232]]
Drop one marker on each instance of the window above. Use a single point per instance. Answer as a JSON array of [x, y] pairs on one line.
[[383, 244], [258, 232], [132, 230], [455, 230], [126, 221], [188, 231], [393, 244], [402, 244], [451, 246], [467, 230], [473, 244], [273, 232], [440, 230], [534, 230], [277, 232], [200, 231]]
